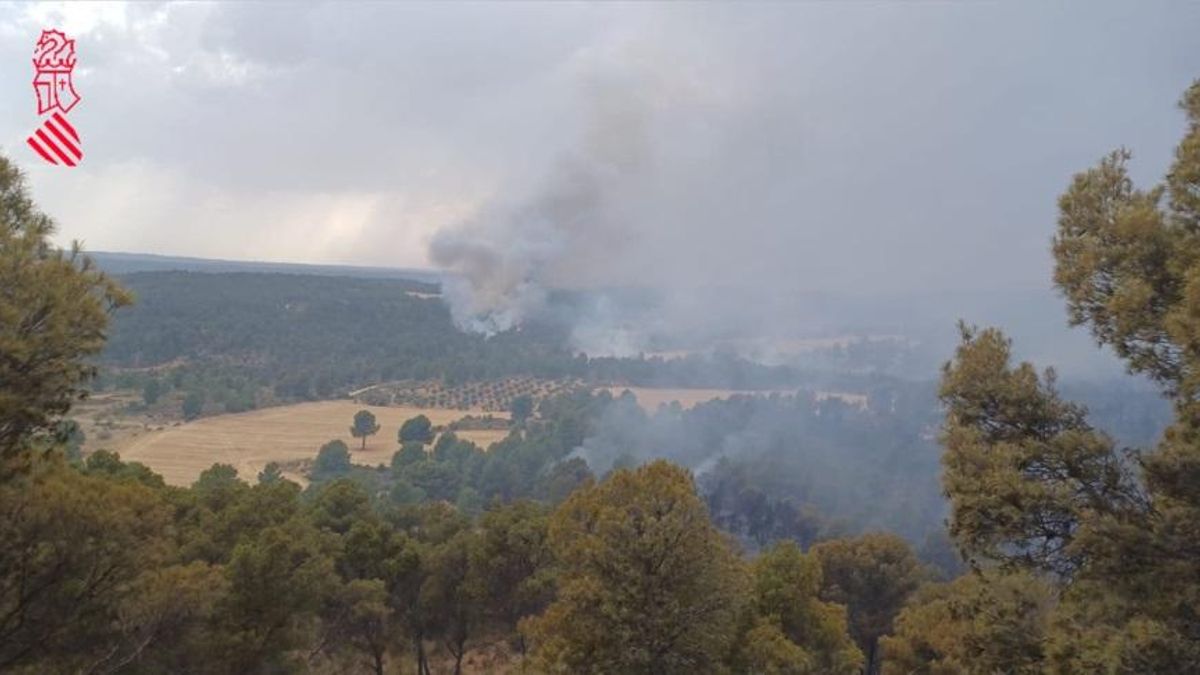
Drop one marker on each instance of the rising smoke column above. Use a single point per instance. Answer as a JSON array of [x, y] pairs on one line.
[[669, 189], [505, 258]]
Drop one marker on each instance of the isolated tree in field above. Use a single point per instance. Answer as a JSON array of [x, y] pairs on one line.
[[364, 425], [333, 460], [54, 310], [416, 430], [646, 585]]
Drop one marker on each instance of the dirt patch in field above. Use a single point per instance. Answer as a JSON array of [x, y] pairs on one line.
[[113, 419], [285, 434]]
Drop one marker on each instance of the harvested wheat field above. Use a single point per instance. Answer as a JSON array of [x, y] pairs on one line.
[[284, 434]]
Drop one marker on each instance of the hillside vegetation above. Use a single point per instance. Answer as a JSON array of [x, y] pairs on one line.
[[236, 341]]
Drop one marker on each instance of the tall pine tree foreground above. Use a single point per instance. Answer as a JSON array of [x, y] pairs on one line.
[[1040, 498], [647, 584], [65, 593], [54, 308]]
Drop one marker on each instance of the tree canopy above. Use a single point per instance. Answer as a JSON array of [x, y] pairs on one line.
[[54, 314], [364, 426], [646, 583], [1086, 559]]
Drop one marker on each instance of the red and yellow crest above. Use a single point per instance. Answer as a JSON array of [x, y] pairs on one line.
[[56, 141]]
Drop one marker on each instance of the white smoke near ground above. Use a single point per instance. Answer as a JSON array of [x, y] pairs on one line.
[[606, 329], [697, 438], [869, 467], [506, 258]]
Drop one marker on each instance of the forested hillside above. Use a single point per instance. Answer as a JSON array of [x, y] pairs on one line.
[[307, 337]]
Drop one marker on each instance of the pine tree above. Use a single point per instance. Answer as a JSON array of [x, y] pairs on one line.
[[53, 316]]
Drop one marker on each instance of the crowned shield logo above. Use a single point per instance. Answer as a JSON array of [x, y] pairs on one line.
[[56, 140]]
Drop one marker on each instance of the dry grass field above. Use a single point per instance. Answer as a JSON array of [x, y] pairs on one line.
[[284, 434], [292, 434]]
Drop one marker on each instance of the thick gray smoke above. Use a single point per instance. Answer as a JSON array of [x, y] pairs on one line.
[[672, 184], [762, 188], [507, 257], [670, 172], [876, 469]]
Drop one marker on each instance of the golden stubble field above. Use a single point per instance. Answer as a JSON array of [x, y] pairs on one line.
[[248, 441], [292, 434]]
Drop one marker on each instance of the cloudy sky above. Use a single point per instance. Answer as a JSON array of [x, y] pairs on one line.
[[859, 146]]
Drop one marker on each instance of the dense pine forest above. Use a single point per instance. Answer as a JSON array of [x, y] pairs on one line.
[[1007, 531], [306, 337]]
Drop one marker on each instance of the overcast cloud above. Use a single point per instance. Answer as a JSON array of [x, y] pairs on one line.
[[860, 147]]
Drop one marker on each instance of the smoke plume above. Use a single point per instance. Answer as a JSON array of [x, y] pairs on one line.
[[506, 257]]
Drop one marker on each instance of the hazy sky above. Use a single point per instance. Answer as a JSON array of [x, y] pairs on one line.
[[860, 146]]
